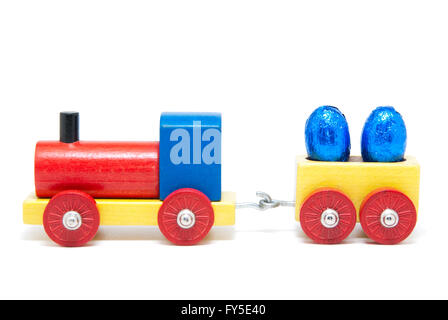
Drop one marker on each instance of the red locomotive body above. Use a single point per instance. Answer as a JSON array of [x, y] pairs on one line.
[[100, 169]]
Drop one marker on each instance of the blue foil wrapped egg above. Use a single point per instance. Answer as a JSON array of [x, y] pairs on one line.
[[327, 137], [384, 136]]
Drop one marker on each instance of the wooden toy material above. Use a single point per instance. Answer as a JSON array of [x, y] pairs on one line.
[[318, 220], [80, 185], [190, 153], [71, 218], [186, 208], [176, 185], [357, 179], [130, 212], [101, 169]]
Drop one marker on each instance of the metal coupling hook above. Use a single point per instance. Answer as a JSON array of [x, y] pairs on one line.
[[265, 203]]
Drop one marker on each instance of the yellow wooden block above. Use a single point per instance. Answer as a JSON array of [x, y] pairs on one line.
[[356, 178], [131, 212]]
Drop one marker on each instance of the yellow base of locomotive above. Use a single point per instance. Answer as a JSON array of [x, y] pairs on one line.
[[130, 212], [356, 178]]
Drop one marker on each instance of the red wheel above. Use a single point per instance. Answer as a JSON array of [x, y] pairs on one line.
[[186, 217], [327, 216], [388, 216], [71, 218]]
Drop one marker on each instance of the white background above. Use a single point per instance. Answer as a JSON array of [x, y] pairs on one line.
[[265, 65]]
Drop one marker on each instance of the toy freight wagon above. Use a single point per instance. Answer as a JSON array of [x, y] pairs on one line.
[[332, 196]]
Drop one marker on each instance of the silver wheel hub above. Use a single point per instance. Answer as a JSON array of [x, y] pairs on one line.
[[72, 220], [186, 219], [389, 218], [329, 218]]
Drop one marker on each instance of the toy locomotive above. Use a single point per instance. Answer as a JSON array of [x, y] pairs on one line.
[[176, 183]]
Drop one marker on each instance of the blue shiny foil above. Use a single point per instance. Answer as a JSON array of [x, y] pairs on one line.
[[384, 136], [327, 137]]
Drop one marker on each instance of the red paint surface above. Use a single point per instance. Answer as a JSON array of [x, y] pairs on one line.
[[193, 200], [374, 205], [100, 169], [312, 209], [63, 202]]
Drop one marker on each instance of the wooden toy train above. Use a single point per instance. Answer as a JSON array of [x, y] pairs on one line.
[[176, 185]]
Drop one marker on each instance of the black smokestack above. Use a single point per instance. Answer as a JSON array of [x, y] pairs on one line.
[[69, 127]]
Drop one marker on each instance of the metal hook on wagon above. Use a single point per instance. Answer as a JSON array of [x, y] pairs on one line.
[[266, 202]]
